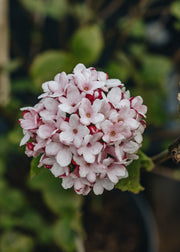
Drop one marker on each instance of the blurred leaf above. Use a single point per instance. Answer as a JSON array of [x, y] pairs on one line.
[[35, 170], [156, 114], [21, 85], [34, 222], [12, 241], [118, 70], [59, 200], [132, 182], [62, 201], [82, 11], [129, 64], [64, 236], [175, 9], [12, 65], [2, 167], [15, 135], [7, 221], [155, 70], [138, 50], [53, 8], [177, 25], [11, 200], [137, 29], [87, 44], [46, 65]]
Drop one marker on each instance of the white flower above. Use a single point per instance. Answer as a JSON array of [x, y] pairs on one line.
[[136, 103], [90, 147], [90, 113], [101, 184], [73, 132], [114, 131], [71, 102]]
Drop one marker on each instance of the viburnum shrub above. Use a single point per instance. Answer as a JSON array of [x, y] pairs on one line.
[[86, 128]]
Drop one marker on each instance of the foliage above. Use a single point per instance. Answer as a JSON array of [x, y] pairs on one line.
[[52, 8], [132, 182], [87, 44]]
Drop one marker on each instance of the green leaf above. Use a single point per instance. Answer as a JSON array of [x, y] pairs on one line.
[[87, 44], [46, 65], [175, 9], [53, 8], [132, 182], [35, 170], [146, 162]]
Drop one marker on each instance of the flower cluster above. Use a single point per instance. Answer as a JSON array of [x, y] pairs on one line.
[[86, 128]]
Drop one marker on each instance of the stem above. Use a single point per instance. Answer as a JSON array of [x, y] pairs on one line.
[[79, 244], [161, 157], [167, 172], [110, 9], [173, 152]]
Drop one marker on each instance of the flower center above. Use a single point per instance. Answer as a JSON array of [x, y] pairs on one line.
[[88, 115], [75, 131], [86, 88], [113, 133]]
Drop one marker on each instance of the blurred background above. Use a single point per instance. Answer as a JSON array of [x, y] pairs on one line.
[[136, 41]]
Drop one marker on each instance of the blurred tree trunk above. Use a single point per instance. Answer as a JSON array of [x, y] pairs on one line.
[[4, 53]]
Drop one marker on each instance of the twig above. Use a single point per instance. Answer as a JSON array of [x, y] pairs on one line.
[[161, 157], [110, 9], [166, 172], [173, 152]]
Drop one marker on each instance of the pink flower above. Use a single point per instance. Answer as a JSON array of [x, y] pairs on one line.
[[55, 88], [86, 128], [90, 113], [50, 109], [101, 184], [114, 96], [86, 80], [73, 132], [115, 172], [90, 147], [71, 102], [112, 83], [87, 170], [81, 186], [125, 114], [62, 153], [114, 131], [46, 130], [136, 103], [31, 119], [58, 170]]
